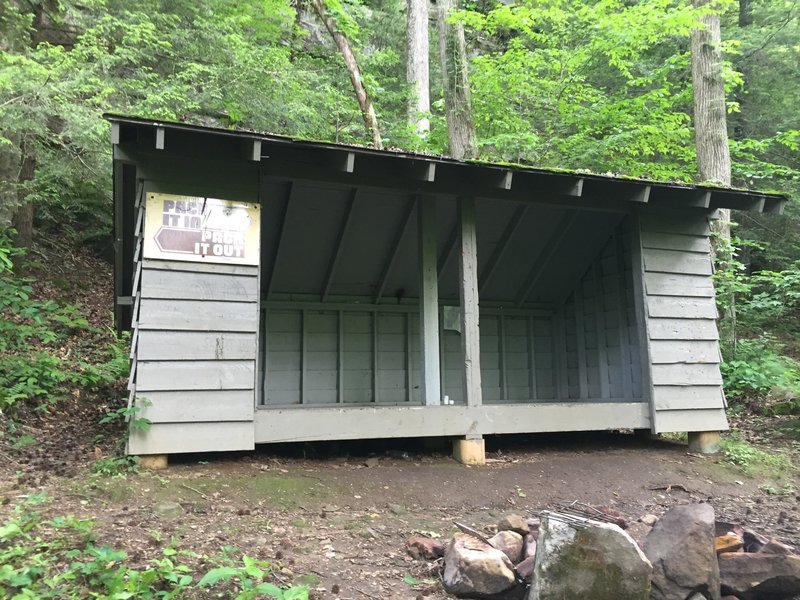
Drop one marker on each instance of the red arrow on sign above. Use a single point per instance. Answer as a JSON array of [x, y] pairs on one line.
[[170, 239]]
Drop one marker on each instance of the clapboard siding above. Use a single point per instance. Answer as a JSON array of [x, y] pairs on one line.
[[671, 284], [207, 436], [676, 261], [196, 357], [198, 286], [195, 375], [197, 315], [680, 320], [200, 405], [195, 345]]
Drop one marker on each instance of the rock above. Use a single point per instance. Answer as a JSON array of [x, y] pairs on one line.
[[681, 548], [697, 597], [533, 527], [510, 544], [420, 546], [525, 568], [730, 598], [514, 523], [592, 561], [648, 520], [730, 542], [775, 547], [396, 509], [752, 576], [530, 545], [168, 510], [371, 462], [753, 542], [473, 568]]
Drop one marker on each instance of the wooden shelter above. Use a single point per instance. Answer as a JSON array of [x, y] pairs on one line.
[[285, 290]]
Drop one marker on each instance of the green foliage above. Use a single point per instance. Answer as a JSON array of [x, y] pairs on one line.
[[757, 369], [58, 558], [742, 454], [34, 362]]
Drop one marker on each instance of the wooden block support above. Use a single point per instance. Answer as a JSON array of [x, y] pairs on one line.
[[154, 462], [704, 442], [469, 451]]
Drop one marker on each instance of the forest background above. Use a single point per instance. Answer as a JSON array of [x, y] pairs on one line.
[[598, 85]]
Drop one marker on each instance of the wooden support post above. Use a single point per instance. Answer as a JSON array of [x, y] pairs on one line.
[[468, 294], [430, 383]]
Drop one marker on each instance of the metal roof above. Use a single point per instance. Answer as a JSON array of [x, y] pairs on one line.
[[424, 173]]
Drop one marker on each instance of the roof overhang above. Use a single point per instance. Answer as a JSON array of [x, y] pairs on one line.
[[348, 166]]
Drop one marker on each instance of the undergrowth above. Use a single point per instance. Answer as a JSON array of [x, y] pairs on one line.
[[59, 558], [751, 459], [42, 350]]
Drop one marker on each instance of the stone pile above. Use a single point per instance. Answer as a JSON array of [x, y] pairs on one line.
[[684, 555]]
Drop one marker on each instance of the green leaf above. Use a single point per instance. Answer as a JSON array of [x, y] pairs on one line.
[[218, 574]]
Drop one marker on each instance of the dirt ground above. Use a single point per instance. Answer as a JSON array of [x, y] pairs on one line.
[[336, 516]]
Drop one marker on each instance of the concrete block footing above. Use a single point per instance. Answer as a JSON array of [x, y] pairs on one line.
[[704, 442], [154, 462], [469, 451]]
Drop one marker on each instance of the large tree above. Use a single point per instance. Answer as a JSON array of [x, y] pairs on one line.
[[417, 67], [362, 95], [455, 80], [710, 109]]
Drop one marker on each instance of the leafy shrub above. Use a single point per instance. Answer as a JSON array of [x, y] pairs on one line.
[[757, 368], [58, 559], [34, 364]]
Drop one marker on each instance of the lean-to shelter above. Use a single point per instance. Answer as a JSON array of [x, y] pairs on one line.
[[286, 290]]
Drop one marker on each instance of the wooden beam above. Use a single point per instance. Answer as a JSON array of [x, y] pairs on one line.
[[642, 322], [430, 381], [532, 385], [424, 170], [251, 149], [505, 180], [580, 329], [337, 253], [502, 245], [387, 270], [469, 299], [600, 324], [115, 136], [550, 248], [279, 240], [343, 161], [622, 307], [159, 138], [449, 248], [340, 358]]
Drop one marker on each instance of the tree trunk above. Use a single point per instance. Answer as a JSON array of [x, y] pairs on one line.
[[745, 16], [364, 101], [457, 100], [417, 68], [710, 114]]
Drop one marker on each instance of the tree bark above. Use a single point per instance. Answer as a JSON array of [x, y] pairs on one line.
[[710, 113], [364, 100], [745, 16], [455, 79], [417, 67]]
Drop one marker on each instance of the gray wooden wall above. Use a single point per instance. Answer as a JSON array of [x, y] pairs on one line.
[[680, 320], [196, 357], [586, 350]]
